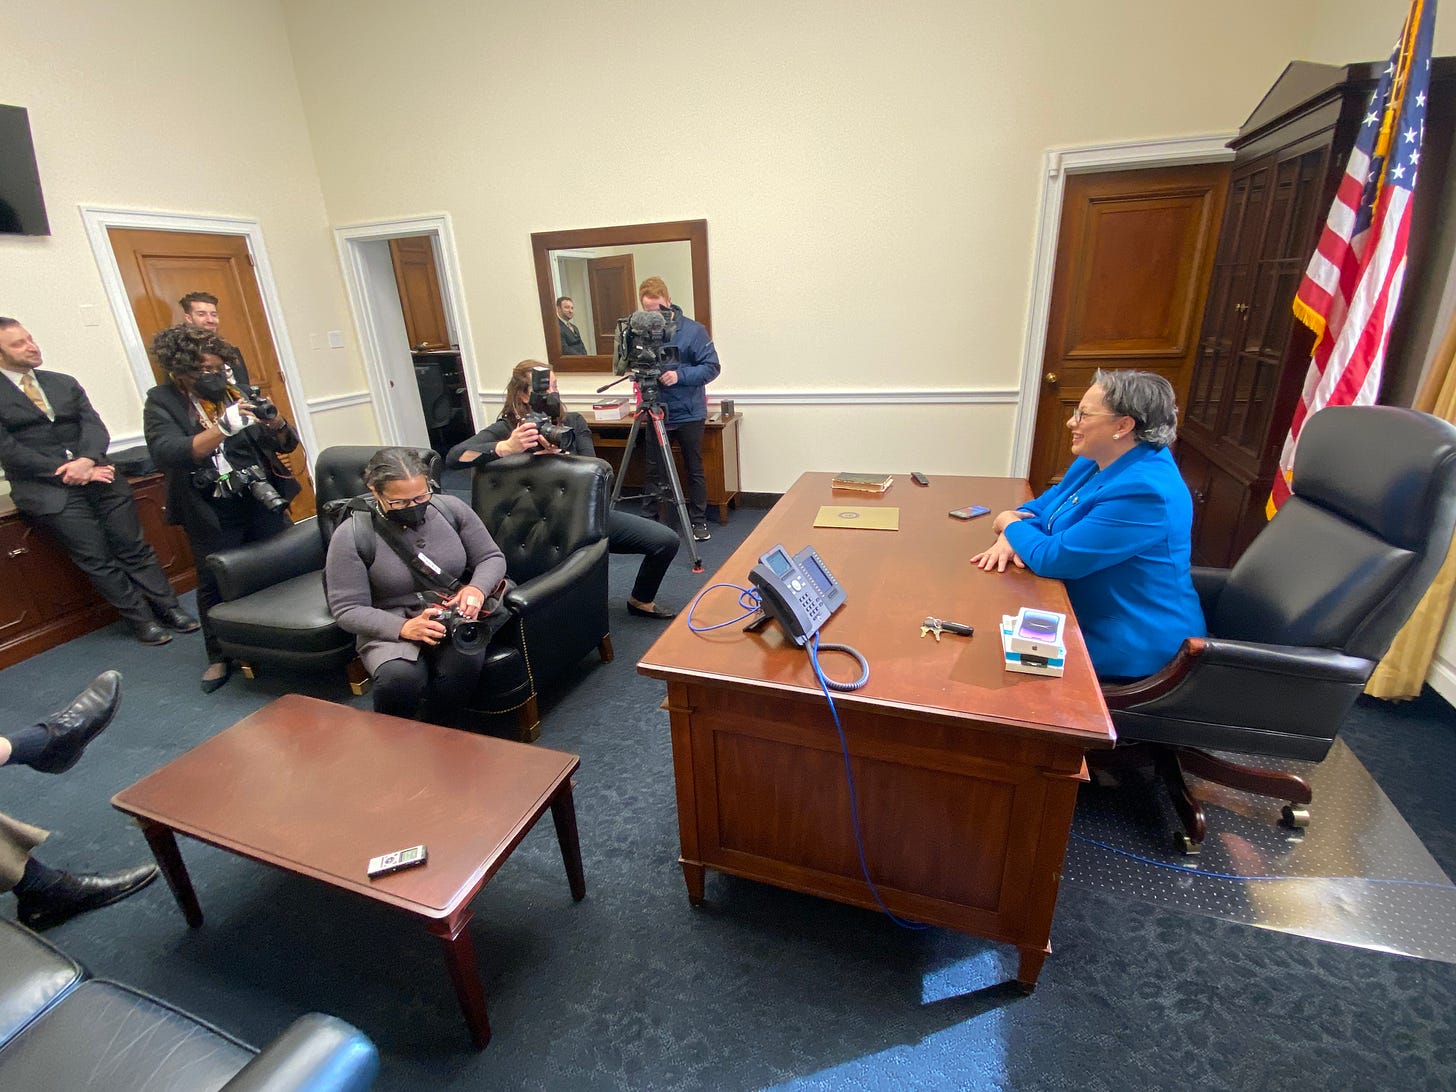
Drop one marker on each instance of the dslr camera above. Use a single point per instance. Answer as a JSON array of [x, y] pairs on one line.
[[545, 407], [644, 349], [466, 634], [263, 407], [238, 482]]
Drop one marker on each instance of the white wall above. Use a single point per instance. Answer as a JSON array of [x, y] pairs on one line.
[[173, 106], [852, 159]]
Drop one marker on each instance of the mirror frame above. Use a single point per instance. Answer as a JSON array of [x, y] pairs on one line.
[[693, 232]]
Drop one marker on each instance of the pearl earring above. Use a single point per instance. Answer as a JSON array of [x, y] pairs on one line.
[[1117, 436]]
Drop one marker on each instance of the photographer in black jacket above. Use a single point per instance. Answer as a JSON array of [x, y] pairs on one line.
[[218, 447], [513, 434]]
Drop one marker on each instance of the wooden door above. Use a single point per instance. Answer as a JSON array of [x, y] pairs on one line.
[[160, 267], [613, 286], [1134, 252], [417, 277]]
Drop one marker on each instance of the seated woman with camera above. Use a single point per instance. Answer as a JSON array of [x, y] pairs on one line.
[[218, 447], [414, 604], [522, 427]]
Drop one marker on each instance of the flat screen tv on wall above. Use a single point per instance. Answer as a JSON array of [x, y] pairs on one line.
[[22, 208]]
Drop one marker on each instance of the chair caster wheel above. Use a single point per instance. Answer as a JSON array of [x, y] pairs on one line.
[[1295, 816], [1186, 845]]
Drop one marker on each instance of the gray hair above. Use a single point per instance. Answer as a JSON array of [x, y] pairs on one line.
[[394, 464], [1146, 398]]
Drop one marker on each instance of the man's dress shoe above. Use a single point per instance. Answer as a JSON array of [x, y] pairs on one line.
[[79, 723], [178, 619], [149, 633], [74, 895]]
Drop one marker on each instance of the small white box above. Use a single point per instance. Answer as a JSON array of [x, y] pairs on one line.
[[609, 411], [1049, 660]]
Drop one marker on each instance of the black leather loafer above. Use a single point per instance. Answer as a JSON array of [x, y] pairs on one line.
[[178, 619], [73, 895], [79, 723], [149, 633], [658, 612]]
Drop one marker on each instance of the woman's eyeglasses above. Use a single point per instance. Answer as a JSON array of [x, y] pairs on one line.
[[1079, 413], [396, 505]]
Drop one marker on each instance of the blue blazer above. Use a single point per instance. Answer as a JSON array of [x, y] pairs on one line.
[[1120, 541]]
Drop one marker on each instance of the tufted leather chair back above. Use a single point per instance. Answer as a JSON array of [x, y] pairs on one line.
[[1349, 556], [339, 474], [542, 509]]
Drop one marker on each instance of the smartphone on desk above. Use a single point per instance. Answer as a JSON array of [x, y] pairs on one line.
[[969, 512]]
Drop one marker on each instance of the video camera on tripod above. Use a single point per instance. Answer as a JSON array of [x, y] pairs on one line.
[[644, 349]]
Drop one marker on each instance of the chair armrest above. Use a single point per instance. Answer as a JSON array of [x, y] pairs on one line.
[[563, 579], [257, 565], [1209, 584], [317, 1053], [1207, 655]]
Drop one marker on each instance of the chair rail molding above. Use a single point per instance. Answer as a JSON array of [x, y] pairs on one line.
[[97, 219], [1057, 164]]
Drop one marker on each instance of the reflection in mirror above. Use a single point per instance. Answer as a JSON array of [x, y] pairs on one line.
[[601, 283], [600, 269]]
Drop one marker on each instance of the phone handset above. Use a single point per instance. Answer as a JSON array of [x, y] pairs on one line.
[[798, 592]]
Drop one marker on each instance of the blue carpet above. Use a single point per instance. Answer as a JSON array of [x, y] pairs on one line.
[[760, 988]]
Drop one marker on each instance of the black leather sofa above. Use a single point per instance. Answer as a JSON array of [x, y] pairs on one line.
[[61, 1029]]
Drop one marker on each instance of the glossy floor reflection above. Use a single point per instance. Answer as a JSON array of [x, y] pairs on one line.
[[1357, 875]]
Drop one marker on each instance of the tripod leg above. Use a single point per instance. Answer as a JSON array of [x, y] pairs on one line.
[[626, 458], [664, 447]]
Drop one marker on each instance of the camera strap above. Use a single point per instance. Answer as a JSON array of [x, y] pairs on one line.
[[428, 575]]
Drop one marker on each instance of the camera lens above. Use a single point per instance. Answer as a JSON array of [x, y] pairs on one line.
[[264, 493]]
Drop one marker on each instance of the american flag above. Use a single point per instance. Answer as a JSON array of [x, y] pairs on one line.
[[1351, 288]]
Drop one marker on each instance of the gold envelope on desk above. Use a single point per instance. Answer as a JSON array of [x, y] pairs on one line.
[[866, 519]]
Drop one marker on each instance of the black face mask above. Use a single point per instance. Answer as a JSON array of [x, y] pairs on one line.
[[550, 405], [412, 517], [210, 386]]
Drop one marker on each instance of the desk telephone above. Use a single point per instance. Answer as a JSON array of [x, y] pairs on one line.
[[798, 592]]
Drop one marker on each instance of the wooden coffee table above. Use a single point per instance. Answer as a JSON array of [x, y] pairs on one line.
[[318, 789]]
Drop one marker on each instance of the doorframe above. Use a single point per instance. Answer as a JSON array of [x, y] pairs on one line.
[[350, 240], [1058, 163], [97, 219]]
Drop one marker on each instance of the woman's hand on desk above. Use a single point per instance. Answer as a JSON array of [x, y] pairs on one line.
[[1006, 519], [997, 555], [423, 628]]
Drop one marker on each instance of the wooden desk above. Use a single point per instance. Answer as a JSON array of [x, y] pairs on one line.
[[966, 774], [720, 456]]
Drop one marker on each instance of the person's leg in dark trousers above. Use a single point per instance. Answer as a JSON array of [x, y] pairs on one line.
[[629, 534], [695, 489], [78, 527], [453, 678], [399, 685], [116, 510]]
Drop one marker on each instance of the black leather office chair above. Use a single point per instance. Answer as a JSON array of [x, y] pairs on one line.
[[1298, 624], [273, 610], [549, 517]]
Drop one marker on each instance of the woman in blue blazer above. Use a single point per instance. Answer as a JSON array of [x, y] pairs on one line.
[[1115, 529]]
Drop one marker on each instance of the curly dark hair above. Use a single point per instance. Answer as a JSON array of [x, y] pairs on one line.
[[179, 349]]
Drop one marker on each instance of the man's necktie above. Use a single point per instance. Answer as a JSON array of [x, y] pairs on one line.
[[32, 391]]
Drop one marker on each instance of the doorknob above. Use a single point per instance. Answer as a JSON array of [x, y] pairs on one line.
[[1050, 378]]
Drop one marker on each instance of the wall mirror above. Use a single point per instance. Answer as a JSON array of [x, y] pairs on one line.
[[600, 269]]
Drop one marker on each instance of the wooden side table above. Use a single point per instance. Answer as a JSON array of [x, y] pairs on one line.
[[720, 455]]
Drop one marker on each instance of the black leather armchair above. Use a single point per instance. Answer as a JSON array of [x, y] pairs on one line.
[[1299, 623], [273, 610], [549, 517], [61, 1029]]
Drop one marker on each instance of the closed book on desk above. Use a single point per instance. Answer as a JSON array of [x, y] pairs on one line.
[[612, 410], [863, 483]]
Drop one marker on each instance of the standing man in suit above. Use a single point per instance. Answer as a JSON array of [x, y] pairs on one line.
[[571, 341], [200, 309], [53, 451]]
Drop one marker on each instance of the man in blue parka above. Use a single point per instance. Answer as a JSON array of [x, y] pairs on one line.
[[685, 398]]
